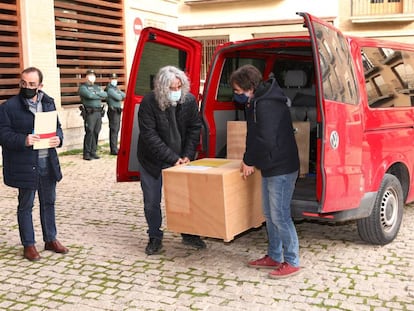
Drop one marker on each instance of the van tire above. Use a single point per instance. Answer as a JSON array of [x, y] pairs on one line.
[[382, 226]]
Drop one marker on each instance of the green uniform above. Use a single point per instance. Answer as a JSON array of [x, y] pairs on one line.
[[91, 96], [115, 96]]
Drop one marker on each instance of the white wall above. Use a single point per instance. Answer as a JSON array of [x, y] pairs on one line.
[[247, 19], [153, 13]]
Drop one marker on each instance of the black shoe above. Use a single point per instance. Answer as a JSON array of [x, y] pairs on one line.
[[193, 241], [114, 152], [87, 157], [95, 156], [154, 246]]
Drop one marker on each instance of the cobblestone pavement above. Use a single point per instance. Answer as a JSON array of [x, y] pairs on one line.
[[102, 223]]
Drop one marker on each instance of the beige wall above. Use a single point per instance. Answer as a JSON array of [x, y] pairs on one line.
[[245, 19], [248, 19], [39, 44], [153, 13]]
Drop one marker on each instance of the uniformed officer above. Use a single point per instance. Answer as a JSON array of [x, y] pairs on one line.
[[115, 96], [91, 96]]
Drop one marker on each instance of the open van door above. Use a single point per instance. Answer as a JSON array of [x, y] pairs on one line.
[[340, 182], [156, 48]]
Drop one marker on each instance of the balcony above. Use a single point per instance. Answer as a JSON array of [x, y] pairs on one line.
[[195, 2], [376, 11]]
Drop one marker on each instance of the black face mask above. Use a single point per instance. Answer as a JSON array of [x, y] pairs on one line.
[[28, 93], [241, 98]]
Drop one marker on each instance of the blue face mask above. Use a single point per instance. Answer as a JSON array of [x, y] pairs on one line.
[[240, 98], [174, 96]]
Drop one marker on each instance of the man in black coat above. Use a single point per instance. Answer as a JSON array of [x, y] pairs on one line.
[[169, 132], [30, 169]]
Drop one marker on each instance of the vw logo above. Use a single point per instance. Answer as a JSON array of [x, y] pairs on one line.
[[334, 139]]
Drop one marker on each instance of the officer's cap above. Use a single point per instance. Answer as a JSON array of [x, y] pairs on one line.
[[90, 72], [113, 76]]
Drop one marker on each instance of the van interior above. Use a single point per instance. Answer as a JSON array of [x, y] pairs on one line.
[[291, 64]]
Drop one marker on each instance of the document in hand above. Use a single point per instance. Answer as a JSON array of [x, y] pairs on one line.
[[45, 126]]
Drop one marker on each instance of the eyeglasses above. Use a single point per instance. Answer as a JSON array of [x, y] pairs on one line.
[[31, 85]]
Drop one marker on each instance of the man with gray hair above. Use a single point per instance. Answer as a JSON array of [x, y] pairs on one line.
[[169, 132]]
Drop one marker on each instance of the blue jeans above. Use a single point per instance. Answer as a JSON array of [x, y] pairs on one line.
[[47, 195], [277, 194]]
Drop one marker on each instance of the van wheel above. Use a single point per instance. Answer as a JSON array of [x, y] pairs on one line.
[[382, 226]]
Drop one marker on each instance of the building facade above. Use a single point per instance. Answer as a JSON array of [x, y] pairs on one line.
[[64, 38]]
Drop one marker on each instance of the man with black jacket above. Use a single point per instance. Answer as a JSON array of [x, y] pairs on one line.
[[270, 147], [169, 132], [30, 169]]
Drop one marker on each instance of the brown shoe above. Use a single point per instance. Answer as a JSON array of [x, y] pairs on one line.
[[56, 247], [30, 253]]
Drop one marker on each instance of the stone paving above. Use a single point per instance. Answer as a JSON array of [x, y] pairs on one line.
[[102, 223]]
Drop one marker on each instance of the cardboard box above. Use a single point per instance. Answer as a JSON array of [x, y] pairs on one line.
[[236, 142], [236, 139], [210, 198]]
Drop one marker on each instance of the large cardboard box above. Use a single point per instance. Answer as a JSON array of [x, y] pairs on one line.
[[210, 198], [236, 142]]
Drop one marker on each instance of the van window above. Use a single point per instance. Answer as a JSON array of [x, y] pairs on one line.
[[155, 56], [225, 91], [338, 75], [389, 77]]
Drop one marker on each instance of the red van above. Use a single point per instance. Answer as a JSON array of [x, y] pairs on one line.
[[357, 95]]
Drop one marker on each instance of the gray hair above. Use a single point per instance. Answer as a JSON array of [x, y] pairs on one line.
[[165, 76]]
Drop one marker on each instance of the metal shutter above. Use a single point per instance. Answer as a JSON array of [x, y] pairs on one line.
[[10, 54], [89, 35]]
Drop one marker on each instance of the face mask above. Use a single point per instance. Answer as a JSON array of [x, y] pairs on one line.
[[114, 82], [174, 96], [240, 98], [28, 93], [91, 78]]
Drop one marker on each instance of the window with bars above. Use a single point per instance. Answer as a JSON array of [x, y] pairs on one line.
[[10, 54], [89, 35], [382, 1], [381, 7], [209, 45]]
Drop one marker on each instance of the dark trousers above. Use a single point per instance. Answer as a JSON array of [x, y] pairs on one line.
[[47, 196], [151, 190], [93, 123], [114, 118]]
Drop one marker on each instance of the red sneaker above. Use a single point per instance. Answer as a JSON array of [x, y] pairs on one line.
[[266, 263], [283, 271]]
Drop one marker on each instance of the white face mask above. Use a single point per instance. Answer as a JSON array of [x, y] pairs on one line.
[[91, 78], [114, 82], [174, 96]]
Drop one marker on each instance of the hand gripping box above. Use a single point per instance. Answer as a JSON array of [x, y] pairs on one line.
[[210, 198]]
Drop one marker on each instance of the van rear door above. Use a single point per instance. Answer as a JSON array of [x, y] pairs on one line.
[[340, 182], [156, 48]]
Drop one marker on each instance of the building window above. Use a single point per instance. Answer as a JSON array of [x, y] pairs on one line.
[[382, 1], [363, 8], [209, 45]]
